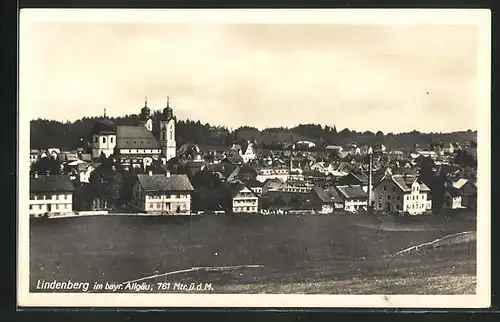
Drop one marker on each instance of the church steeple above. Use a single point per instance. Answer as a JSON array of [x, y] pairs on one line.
[[168, 113], [145, 116], [104, 112]]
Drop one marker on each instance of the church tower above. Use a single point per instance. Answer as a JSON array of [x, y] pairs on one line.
[[103, 137], [145, 116], [167, 132]]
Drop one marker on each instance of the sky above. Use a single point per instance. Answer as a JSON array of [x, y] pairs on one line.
[[361, 77]]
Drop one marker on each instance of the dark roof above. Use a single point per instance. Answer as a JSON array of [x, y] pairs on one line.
[[363, 178], [135, 137], [104, 126], [349, 192], [454, 192], [253, 183], [224, 168], [328, 195], [161, 182], [235, 188], [405, 182], [51, 183]]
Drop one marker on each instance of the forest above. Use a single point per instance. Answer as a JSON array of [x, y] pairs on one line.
[[71, 135]]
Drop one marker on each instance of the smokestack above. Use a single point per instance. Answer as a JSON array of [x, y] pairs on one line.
[[370, 183]]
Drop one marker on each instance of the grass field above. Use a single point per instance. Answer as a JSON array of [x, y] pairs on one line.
[[295, 254]]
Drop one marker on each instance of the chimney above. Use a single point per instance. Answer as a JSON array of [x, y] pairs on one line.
[[168, 173]]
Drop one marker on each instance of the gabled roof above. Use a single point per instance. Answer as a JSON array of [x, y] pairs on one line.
[[236, 188], [333, 147], [405, 182], [135, 137], [328, 195], [460, 183], [454, 192], [161, 182], [253, 183], [350, 192], [51, 183], [224, 168], [363, 178]]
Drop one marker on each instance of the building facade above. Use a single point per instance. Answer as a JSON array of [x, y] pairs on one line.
[[244, 200], [406, 193], [354, 197], [163, 194], [50, 196]]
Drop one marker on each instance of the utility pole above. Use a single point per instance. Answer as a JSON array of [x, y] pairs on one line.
[[370, 182]]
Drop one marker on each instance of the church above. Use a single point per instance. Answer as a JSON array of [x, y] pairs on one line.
[[136, 146]]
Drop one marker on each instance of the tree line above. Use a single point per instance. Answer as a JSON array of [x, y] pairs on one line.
[[72, 135]]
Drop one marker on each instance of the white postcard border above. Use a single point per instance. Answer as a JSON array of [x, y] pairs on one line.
[[479, 17]]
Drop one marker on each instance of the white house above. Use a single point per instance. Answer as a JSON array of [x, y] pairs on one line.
[[353, 196], [401, 193], [452, 198], [329, 199], [50, 195], [249, 154], [244, 200], [264, 174], [163, 194]]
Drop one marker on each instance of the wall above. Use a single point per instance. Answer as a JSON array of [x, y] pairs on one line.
[[59, 203]]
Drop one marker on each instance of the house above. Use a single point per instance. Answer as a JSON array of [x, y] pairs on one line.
[[272, 185], [244, 199], [452, 198], [163, 194], [50, 195], [34, 155], [398, 192], [468, 191], [280, 173], [329, 198], [84, 170], [254, 185], [355, 178], [250, 153], [336, 148], [353, 196], [428, 154]]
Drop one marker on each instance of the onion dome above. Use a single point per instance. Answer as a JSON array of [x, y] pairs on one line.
[[168, 113], [145, 111], [104, 126]]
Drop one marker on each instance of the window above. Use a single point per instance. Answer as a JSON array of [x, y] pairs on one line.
[[385, 188], [103, 140], [96, 139], [31, 207], [57, 206], [388, 197], [397, 198], [393, 189], [111, 139], [57, 197], [151, 205], [158, 206]]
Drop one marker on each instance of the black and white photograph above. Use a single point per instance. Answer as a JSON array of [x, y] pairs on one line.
[[254, 158]]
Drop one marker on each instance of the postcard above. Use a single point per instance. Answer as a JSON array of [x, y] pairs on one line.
[[254, 158]]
